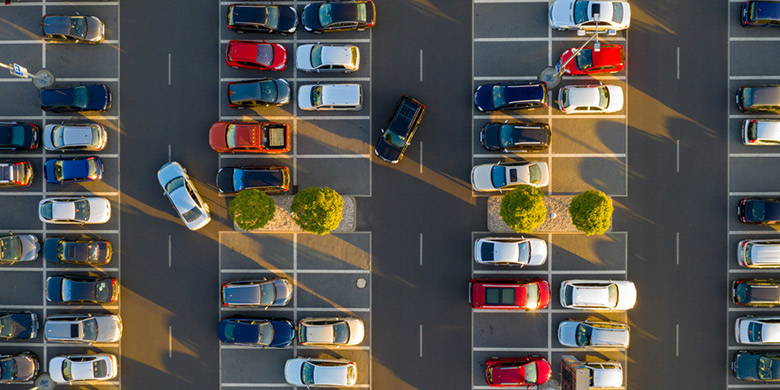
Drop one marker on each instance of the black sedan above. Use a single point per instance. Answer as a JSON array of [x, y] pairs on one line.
[[18, 326], [86, 252], [94, 97], [763, 211], [518, 96], [253, 93], [272, 180], [18, 368], [68, 289], [756, 366], [19, 136], [262, 18], [353, 15], [256, 331], [73, 29], [72, 170], [515, 136]]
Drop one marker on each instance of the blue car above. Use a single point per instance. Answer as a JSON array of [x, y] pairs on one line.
[[71, 170], [270, 333], [18, 326], [517, 96], [757, 366], [95, 97]]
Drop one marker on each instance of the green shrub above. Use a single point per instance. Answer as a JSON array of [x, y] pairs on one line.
[[591, 212], [252, 209], [523, 209], [318, 210]]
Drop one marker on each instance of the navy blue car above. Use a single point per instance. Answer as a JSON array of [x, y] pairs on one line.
[[67, 289], [86, 252], [18, 326], [71, 170], [756, 366], [764, 211], [95, 97], [518, 96], [260, 332], [19, 136]]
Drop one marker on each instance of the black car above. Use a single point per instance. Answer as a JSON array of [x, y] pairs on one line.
[[764, 211], [352, 15], [68, 289], [515, 136], [18, 368], [18, 326], [20, 136], [518, 96], [262, 18], [73, 29], [270, 179], [94, 97], [258, 332], [253, 93], [756, 292], [760, 13], [396, 137], [759, 98], [756, 366], [87, 252]]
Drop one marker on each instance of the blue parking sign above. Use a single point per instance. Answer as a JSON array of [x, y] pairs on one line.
[[19, 71]]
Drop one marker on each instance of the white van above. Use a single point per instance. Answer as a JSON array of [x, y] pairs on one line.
[[761, 132], [758, 253], [330, 97]]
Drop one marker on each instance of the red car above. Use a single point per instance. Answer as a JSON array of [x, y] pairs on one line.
[[249, 137], [256, 55], [519, 371], [609, 59], [509, 294]]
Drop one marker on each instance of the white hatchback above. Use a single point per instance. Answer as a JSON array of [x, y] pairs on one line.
[[327, 58], [330, 97], [504, 175], [598, 294], [86, 210], [307, 372], [510, 251], [757, 330], [590, 99], [69, 369], [331, 331]]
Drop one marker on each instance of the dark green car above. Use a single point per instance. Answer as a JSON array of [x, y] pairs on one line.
[[756, 366]]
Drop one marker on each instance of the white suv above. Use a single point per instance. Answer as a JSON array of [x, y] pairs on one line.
[[598, 294], [330, 97], [590, 16]]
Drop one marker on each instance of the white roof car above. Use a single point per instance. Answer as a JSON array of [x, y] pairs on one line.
[[327, 58], [504, 175], [331, 331], [83, 210], [591, 16], [320, 372], [598, 294], [510, 251], [86, 328], [588, 99], [67, 369], [193, 211], [757, 330], [74, 137], [330, 97], [761, 132], [588, 333], [605, 375], [752, 253]]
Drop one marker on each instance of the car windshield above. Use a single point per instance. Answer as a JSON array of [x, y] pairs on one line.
[[765, 368], [267, 293], [580, 11], [742, 291], [80, 97], [78, 26], [530, 372], [18, 136], [99, 369], [102, 292], [613, 295], [266, 334], [7, 369], [752, 10], [307, 373], [58, 169], [66, 369], [316, 56], [531, 296], [394, 139], [10, 248], [499, 296], [499, 99], [46, 210], [82, 209], [585, 59], [174, 184], [754, 331], [191, 214], [565, 97], [534, 173], [6, 327], [617, 12], [751, 130], [90, 329], [603, 97], [747, 97], [498, 176], [583, 335], [230, 136], [272, 17], [341, 333], [326, 14], [316, 96]]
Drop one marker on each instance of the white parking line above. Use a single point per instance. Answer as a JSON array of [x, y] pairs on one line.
[[421, 340], [421, 249], [301, 156], [546, 39], [748, 39], [324, 309], [531, 156], [677, 248], [553, 272], [677, 340], [754, 77], [291, 117], [312, 80], [759, 155], [291, 270], [773, 193], [554, 116], [323, 40]]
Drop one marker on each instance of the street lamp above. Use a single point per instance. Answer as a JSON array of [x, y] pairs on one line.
[[41, 79], [552, 76]]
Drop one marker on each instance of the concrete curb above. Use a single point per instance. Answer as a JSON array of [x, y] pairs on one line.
[[284, 223], [558, 204]]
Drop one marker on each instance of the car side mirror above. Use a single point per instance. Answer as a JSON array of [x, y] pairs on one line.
[[382, 131], [580, 33]]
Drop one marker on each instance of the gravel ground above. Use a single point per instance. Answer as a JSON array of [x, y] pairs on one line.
[[558, 205], [284, 223]]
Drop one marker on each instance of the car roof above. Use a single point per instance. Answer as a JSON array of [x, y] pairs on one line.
[[523, 92], [245, 51], [63, 329], [768, 129], [63, 210], [56, 24], [606, 376], [337, 54], [591, 295], [261, 177], [766, 95], [607, 55], [340, 94], [331, 374], [584, 95], [348, 11], [609, 336], [243, 293], [767, 9], [765, 293]]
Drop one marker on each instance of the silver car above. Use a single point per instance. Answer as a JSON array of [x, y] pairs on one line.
[[72, 369], [18, 247], [327, 58], [761, 132], [593, 334], [330, 97], [510, 251], [262, 292], [307, 372], [757, 330], [83, 328], [331, 331], [76, 137], [590, 16], [84, 210], [182, 193], [605, 375]]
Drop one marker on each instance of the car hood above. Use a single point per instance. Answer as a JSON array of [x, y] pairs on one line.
[[288, 19], [480, 178], [30, 247], [357, 331], [616, 99], [304, 97], [562, 13], [538, 251], [311, 16], [303, 57], [483, 97], [217, 136], [99, 210], [292, 371], [745, 366], [99, 98], [567, 332], [284, 333], [109, 328], [26, 367], [626, 295], [95, 29], [55, 369]]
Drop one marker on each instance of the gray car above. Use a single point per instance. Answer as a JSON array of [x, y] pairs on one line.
[[263, 292], [83, 328], [178, 187], [18, 247], [593, 334], [77, 137]]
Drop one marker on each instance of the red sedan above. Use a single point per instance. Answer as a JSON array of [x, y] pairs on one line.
[[520, 371], [256, 55], [509, 294], [609, 59], [249, 137]]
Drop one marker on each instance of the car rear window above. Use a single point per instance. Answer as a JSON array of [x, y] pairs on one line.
[[486, 250], [617, 12], [498, 176], [499, 296]]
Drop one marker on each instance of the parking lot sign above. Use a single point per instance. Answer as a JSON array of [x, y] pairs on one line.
[[19, 71]]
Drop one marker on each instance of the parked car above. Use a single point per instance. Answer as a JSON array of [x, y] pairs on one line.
[[73, 29], [83, 328], [505, 175], [94, 97], [588, 99], [15, 173], [330, 97], [18, 247], [178, 188], [84, 210], [72, 289], [756, 366], [347, 15], [610, 58], [77, 251], [74, 137], [756, 292], [269, 179], [758, 253], [590, 16], [258, 332], [509, 294], [605, 375], [760, 13], [254, 93], [262, 292], [510, 251], [19, 136], [759, 211], [331, 331], [327, 58], [515, 96], [74, 369], [759, 99], [256, 55], [515, 136], [18, 368], [757, 330], [598, 294], [18, 326], [250, 137], [396, 137], [73, 170], [761, 132], [517, 371], [243, 18], [315, 372], [593, 334]]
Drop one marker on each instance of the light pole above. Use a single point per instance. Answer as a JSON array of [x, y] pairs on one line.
[[552, 76], [41, 79]]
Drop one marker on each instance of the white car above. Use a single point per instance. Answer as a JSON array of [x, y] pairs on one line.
[[589, 99], [68, 369], [193, 211], [757, 330], [330, 97], [590, 16], [504, 175], [307, 372], [327, 58], [598, 294], [83, 210], [83, 328], [593, 334], [331, 331], [74, 137], [605, 375], [510, 251]]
